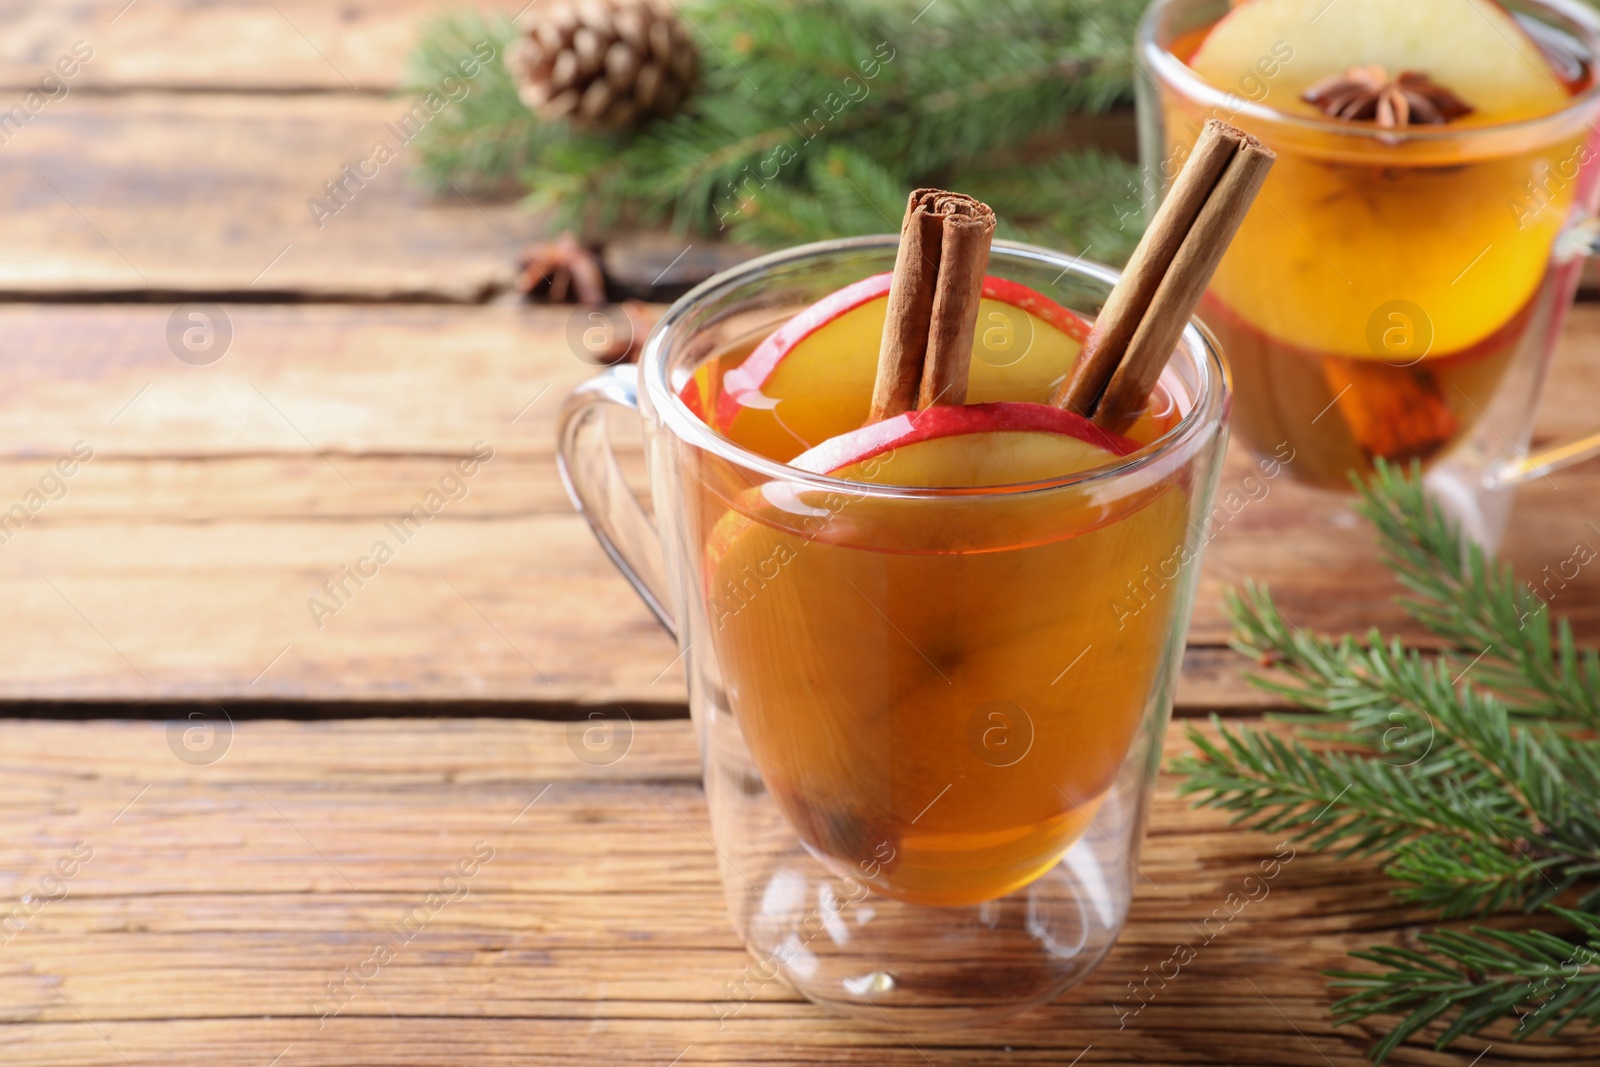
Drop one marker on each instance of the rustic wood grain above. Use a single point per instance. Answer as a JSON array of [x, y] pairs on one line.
[[176, 568], [152, 193], [220, 898], [157, 195], [179, 563], [346, 380], [278, 45]]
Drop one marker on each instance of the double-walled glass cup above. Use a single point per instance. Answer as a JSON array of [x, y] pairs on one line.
[[1393, 294], [929, 718]]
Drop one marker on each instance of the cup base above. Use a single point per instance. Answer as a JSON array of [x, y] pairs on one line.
[[912, 967]]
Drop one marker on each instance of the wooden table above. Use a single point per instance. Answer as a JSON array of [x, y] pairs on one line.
[[213, 899]]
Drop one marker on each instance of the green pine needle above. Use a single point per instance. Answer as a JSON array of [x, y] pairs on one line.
[[1475, 778], [843, 193], [1480, 607], [483, 140], [1476, 977], [813, 118]]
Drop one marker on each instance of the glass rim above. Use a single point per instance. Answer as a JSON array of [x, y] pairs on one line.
[[1208, 410], [1166, 67]]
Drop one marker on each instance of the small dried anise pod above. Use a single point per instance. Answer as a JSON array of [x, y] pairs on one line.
[[571, 271], [1367, 94]]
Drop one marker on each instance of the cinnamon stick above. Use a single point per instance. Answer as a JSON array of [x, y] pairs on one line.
[[1396, 413], [910, 313], [1180, 291], [1146, 313], [1151, 259], [933, 303], [964, 258]]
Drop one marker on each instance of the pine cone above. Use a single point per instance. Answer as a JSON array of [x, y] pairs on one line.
[[602, 64]]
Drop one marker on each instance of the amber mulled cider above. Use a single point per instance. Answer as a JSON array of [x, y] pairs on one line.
[[1399, 262], [937, 690]]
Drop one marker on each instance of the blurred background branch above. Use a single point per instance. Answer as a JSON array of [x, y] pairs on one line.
[[808, 119]]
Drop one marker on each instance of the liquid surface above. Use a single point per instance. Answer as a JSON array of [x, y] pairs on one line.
[[809, 380]]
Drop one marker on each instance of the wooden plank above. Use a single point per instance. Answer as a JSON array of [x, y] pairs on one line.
[[179, 563], [295, 381], [232, 491], [268, 487], [95, 205], [219, 899], [243, 44], [522, 608], [155, 193]]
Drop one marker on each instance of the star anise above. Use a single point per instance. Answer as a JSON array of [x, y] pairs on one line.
[[564, 271], [1367, 94]]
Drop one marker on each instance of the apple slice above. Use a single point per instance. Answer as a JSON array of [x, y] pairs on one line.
[[860, 636], [970, 447], [811, 379], [1357, 223], [1472, 47], [967, 447]]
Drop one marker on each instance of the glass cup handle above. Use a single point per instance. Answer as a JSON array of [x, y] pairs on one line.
[[596, 485], [1578, 240]]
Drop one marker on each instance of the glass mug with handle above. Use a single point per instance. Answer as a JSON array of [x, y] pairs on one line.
[[929, 718], [1396, 292]]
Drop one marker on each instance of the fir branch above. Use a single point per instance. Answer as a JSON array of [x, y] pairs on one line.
[[846, 193], [1477, 977], [1470, 876], [798, 99], [1404, 711], [1333, 800], [1077, 201], [1480, 607], [1480, 799], [1087, 202], [486, 138], [575, 182]]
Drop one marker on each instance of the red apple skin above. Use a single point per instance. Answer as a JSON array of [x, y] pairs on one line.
[[753, 373], [690, 395], [913, 427], [759, 365], [1035, 303]]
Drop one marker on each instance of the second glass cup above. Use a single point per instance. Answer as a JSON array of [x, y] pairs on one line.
[[1394, 294], [930, 718]]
